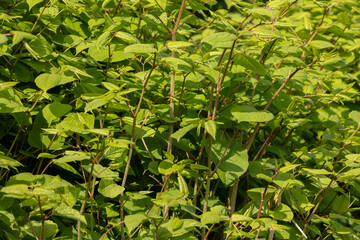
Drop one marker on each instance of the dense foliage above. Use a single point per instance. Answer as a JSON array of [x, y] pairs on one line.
[[165, 119]]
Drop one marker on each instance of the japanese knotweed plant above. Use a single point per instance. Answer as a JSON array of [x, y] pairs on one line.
[[179, 119]]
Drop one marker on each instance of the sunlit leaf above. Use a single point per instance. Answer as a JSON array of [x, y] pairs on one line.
[[140, 48], [47, 81], [251, 64], [110, 189]]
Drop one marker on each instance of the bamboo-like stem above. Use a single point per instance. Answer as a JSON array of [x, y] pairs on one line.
[[42, 220], [172, 78], [127, 167], [208, 181], [83, 205], [41, 13]]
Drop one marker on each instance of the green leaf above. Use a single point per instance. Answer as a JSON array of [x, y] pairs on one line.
[[19, 36], [234, 163], [76, 122], [256, 194], [251, 64], [96, 104], [165, 167], [126, 37], [10, 102], [278, 3], [182, 131], [67, 212], [340, 32], [288, 168], [177, 64], [46, 155], [47, 81], [98, 131], [311, 172], [67, 167], [71, 156], [39, 47], [144, 131], [210, 218], [153, 167], [182, 185], [7, 85], [54, 111], [134, 220], [6, 162], [220, 40], [3, 39], [101, 172], [103, 39], [169, 156], [5, 216], [210, 127], [175, 45], [266, 32], [245, 113], [341, 204], [105, 3], [283, 213], [109, 188], [162, 3], [320, 44], [140, 48], [34, 229], [32, 3], [198, 167], [18, 191], [111, 87], [344, 18], [120, 143], [261, 13], [355, 115], [197, 5], [75, 70], [240, 218], [42, 192]]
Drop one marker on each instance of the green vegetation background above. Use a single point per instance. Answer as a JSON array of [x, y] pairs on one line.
[[169, 119]]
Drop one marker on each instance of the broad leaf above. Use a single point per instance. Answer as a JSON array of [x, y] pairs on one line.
[[129, 38], [355, 115], [251, 64], [103, 39], [110, 189], [210, 127], [32, 3], [182, 131], [19, 36], [233, 164], [54, 111], [71, 156], [140, 48], [101, 172], [220, 40], [47, 81], [6, 162], [283, 213], [67, 212], [6, 85], [134, 220], [246, 113], [34, 228]]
